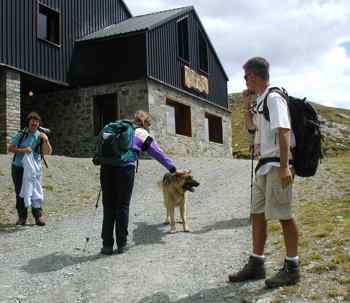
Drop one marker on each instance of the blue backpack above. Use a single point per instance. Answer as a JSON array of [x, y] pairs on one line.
[[114, 144]]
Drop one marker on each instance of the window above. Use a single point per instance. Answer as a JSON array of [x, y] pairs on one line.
[[182, 118], [48, 24], [106, 109], [214, 128], [203, 52], [182, 39]]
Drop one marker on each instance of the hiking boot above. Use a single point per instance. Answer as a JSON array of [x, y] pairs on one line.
[[289, 274], [40, 221], [21, 221], [107, 250], [122, 249], [253, 270]]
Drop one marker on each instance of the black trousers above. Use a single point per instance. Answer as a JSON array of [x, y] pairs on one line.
[[17, 175], [117, 184]]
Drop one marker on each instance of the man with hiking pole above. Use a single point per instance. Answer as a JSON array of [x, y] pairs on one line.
[[272, 190]]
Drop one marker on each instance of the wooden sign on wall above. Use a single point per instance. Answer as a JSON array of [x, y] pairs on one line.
[[195, 81]]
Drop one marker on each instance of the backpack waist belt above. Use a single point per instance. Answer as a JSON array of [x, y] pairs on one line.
[[263, 161]]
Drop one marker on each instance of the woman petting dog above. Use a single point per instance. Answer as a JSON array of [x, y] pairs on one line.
[[117, 184]]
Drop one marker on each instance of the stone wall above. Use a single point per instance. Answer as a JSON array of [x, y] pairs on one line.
[[198, 144], [10, 106], [69, 114]]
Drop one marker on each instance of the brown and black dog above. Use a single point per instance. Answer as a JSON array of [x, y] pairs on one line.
[[174, 191]]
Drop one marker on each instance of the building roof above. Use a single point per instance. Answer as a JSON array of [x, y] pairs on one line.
[[137, 24]]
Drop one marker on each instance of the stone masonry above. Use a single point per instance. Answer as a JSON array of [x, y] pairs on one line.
[[10, 106], [69, 115], [198, 144]]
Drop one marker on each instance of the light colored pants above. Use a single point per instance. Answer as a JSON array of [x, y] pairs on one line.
[[270, 198]]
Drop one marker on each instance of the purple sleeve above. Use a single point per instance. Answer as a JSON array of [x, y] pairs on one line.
[[156, 152]]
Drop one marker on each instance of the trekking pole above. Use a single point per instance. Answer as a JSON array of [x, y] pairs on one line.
[[87, 239]]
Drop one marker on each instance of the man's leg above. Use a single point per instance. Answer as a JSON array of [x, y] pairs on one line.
[[290, 233], [259, 233], [255, 268], [279, 207]]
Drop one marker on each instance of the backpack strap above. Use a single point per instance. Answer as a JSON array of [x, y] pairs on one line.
[[281, 91], [23, 136]]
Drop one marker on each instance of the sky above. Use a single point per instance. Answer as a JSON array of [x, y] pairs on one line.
[[307, 42]]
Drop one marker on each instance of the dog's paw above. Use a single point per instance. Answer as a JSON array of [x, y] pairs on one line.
[[166, 223], [187, 230], [172, 231]]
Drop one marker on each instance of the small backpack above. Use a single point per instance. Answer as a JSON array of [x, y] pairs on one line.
[[114, 144], [306, 127]]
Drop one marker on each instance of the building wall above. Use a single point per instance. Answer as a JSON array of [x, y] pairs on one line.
[[69, 114], [10, 102], [21, 48], [198, 144]]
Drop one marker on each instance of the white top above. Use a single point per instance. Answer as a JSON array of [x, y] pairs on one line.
[[267, 134], [31, 190]]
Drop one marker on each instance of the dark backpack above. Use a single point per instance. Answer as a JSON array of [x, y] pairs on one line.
[[114, 144], [306, 127]]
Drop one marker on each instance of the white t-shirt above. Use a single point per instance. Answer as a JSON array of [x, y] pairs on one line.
[[267, 134]]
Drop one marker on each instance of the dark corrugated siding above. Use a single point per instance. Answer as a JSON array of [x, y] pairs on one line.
[[20, 47], [164, 64]]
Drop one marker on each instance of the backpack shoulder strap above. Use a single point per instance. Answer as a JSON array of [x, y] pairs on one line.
[[281, 91], [24, 134]]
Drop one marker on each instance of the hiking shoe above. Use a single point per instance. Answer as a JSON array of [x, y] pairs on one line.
[[40, 221], [289, 274], [107, 250], [253, 270], [122, 249], [21, 221]]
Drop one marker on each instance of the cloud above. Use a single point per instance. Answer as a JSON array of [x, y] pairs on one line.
[[306, 42]]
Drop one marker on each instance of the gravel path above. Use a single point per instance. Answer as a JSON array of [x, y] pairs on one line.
[[48, 264]]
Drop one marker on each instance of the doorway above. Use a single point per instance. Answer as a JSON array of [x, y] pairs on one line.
[[106, 110]]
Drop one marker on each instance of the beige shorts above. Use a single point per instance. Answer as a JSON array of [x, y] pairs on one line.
[[270, 198]]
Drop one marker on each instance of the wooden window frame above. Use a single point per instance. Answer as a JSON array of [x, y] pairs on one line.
[[215, 129], [183, 120], [54, 16]]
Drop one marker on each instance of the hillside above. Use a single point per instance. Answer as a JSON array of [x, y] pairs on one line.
[[335, 128]]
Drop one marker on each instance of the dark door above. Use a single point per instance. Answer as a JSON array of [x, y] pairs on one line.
[[106, 109]]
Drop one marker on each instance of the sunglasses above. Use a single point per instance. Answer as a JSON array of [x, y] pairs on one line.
[[246, 76]]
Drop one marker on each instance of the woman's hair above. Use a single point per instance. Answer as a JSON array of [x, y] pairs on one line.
[[259, 67], [141, 117], [33, 115]]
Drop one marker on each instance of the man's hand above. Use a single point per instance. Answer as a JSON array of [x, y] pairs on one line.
[[286, 176], [247, 99]]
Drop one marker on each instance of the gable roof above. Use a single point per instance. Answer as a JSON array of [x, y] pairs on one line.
[[137, 24]]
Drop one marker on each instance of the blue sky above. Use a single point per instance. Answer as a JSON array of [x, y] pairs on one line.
[[306, 42]]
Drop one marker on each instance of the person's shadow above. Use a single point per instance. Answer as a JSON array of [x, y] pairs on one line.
[[145, 234], [233, 293], [56, 261], [11, 228], [227, 224]]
